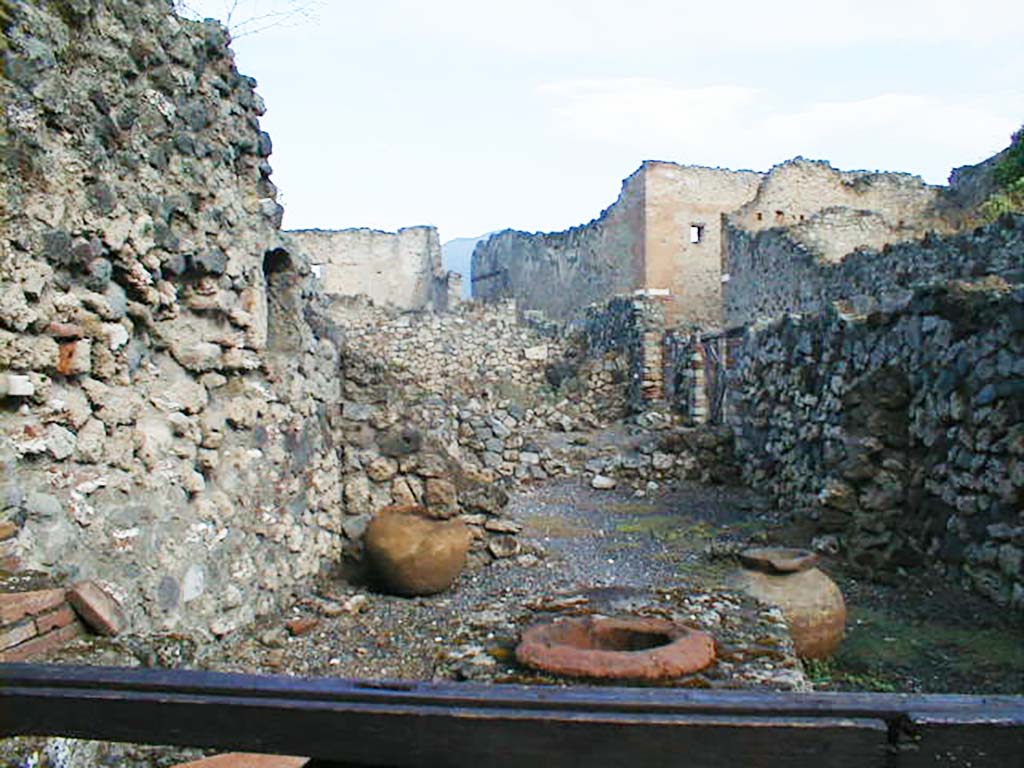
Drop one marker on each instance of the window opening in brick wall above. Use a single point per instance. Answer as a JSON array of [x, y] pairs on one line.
[[696, 233]]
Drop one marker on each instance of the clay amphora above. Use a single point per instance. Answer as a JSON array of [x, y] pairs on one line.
[[810, 601]]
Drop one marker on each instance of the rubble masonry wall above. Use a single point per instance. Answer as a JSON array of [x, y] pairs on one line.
[[900, 431], [169, 384]]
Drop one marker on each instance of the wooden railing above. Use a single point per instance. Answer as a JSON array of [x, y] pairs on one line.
[[373, 723]]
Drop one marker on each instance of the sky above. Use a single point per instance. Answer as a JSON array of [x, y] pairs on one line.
[[475, 116]]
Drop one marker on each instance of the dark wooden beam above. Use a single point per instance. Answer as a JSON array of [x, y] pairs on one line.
[[368, 723]]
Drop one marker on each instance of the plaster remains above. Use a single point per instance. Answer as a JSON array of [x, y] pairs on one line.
[[401, 269]]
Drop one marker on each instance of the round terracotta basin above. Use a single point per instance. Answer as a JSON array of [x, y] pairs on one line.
[[607, 648]]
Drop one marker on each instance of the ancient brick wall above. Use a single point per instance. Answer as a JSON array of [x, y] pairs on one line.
[[663, 233], [796, 190], [401, 269], [683, 208], [901, 432], [779, 248], [630, 329]]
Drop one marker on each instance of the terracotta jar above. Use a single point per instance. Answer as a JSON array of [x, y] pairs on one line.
[[810, 600], [412, 553]]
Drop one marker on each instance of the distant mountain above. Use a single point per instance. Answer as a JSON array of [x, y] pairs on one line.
[[457, 256]]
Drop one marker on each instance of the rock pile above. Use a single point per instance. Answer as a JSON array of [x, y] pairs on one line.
[[491, 390]]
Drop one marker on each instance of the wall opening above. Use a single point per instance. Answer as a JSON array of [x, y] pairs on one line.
[[696, 233], [284, 302]]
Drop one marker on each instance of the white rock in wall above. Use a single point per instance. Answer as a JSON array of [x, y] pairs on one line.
[[60, 442], [16, 385], [538, 353]]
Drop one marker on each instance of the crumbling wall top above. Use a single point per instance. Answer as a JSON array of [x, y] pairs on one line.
[[797, 189]]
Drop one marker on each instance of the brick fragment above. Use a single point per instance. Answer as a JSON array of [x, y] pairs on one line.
[[97, 608], [19, 633], [42, 644], [55, 619], [302, 626], [17, 605], [246, 760]]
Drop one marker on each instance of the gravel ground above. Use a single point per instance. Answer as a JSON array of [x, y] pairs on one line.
[[582, 552]]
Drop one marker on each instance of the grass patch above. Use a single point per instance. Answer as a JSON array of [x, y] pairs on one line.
[[883, 651], [555, 527], [828, 673], [631, 508]]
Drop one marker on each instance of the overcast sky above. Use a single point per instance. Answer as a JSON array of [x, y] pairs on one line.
[[475, 116]]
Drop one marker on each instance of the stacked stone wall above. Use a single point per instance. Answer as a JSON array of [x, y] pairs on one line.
[[628, 330], [169, 383], [774, 271], [562, 273], [900, 432]]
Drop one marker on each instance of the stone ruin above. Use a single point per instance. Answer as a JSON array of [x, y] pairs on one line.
[[199, 416], [398, 269], [862, 342]]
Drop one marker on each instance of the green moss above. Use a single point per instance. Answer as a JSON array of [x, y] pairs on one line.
[[882, 649], [1011, 168], [825, 672], [1008, 175], [1009, 200]]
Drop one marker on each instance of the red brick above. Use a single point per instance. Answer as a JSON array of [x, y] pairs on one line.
[[19, 633], [97, 609], [55, 619], [302, 626], [247, 760], [17, 605], [42, 644]]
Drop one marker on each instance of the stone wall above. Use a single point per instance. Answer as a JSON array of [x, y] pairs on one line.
[[169, 383], [773, 271], [663, 233], [683, 208], [483, 384], [630, 329], [561, 273], [900, 432], [798, 189], [401, 269]]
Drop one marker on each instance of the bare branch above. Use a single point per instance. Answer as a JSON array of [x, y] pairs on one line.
[[248, 17]]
